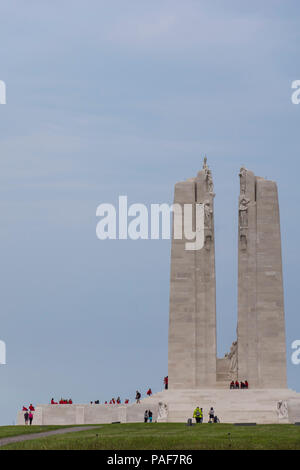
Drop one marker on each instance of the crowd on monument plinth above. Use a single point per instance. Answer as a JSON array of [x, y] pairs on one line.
[[237, 384], [62, 401], [30, 408], [112, 401]]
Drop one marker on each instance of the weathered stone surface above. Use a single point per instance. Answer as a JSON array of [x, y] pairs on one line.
[[261, 325], [260, 355], [192, 321]]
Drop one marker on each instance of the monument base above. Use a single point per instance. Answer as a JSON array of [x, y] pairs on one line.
[[267, 406]]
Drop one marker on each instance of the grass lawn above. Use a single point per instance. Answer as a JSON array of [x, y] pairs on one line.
[[169, 436], [11, 431]]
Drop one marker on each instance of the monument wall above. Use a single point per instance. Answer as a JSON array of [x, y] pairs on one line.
[[261, 324], [192, 320], [259, 354]]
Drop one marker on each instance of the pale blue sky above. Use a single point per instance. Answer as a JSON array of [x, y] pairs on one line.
[[112, 97]]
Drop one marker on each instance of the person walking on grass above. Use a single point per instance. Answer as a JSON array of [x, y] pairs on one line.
[[146, 416], [30, 416], [26, 417]]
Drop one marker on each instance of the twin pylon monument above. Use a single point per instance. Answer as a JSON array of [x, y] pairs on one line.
[[259, 353], [196, 376]]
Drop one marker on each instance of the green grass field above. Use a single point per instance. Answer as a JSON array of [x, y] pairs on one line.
[[165, 436], [11, 431]]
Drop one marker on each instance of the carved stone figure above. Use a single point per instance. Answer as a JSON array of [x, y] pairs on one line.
[[208, 240], [162, 411], [242, 175], [207, 215], [205, 166], [282, 409], [233, 358], [243, 209], [209, 180], [243, 239]]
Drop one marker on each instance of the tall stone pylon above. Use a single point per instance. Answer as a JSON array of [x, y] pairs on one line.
[[192, 320], [261, 325]]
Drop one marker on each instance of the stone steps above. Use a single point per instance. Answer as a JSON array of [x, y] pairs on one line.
[[231, 406]]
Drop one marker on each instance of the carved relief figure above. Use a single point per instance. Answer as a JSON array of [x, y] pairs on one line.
[[208, 240], [282, 409], [242, 175], [209, 180], [243, 209], [207, 215], [162, 411], [233, 358]]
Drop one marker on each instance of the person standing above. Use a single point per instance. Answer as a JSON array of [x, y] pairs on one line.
[[26, 417], [146, 416], [197, 415], [166, 382], [150, 416], [211, 415], [30, 416]]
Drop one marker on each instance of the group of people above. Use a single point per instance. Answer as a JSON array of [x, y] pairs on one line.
[[138, 395], [62, 401], [30, 408], [117, 401], [198, 415], [236, 384], [113, 401], [148, 416], [28, 415]]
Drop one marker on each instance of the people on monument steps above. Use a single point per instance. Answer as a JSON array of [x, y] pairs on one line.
[[62, 401], [113, 401], [236, 384], [166, 382], [30, 408]]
